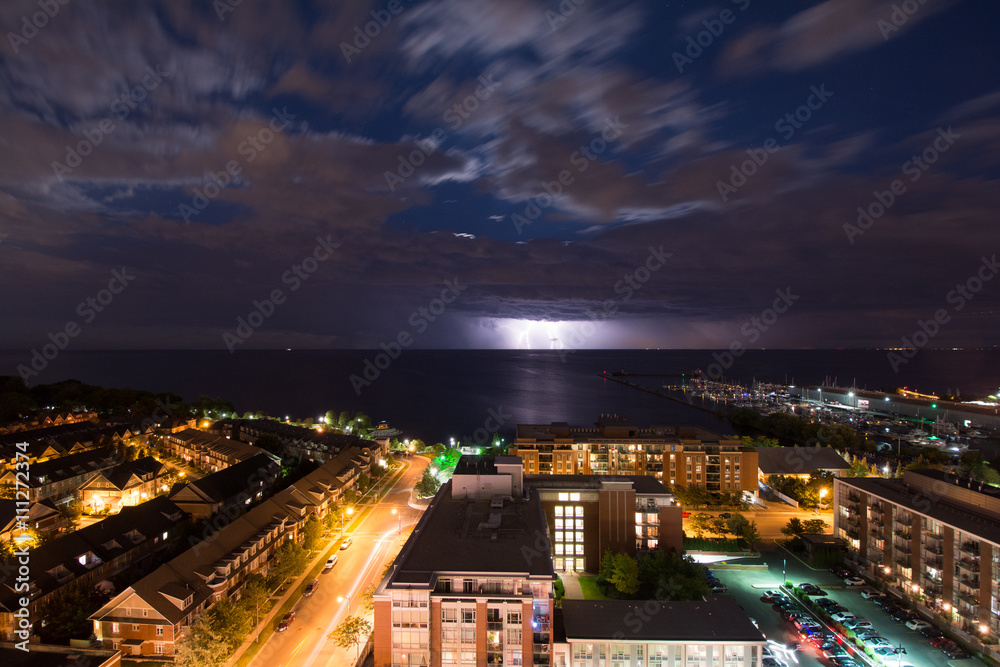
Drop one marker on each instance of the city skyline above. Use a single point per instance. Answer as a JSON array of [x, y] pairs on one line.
[[504, 175]]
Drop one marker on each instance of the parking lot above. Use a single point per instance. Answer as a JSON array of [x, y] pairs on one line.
[[748, 585]]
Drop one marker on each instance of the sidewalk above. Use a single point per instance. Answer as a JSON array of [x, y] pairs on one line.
[[572, 584]]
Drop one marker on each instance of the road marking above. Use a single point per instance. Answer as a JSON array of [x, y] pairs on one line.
[[297, 648]]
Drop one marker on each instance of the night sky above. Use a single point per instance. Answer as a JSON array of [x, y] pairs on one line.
[[457, 173]]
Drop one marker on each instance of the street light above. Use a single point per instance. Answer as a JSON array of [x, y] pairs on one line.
[[341, 598], [349, 511]]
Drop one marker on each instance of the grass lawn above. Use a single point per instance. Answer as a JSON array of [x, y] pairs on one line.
[[590, 591]]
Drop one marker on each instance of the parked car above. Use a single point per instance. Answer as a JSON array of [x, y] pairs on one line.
[[311, 588], [346, 543], [866, 634], [854, 581], [844, 662], [772, 596], [811, 589], [877, 641], [685, 515], [917, 624], [870, 593], [725, 515], [842, 616], [886, 651], [930, 632], [330, 562], [883, 601], [857, 623], [821, 637], [286, 620], [954, 651], [903, 615], [940, 641], [840, 572]]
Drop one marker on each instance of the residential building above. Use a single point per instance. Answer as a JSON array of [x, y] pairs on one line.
[[151, 615], [42, 517], [232, 488], [473, 585], [932, 537], [45, 655], [315, 444], [124, 485], [46, 420], [676, 455], [89, 555], [714, 632], [208, 451], [60, 478], [799, 461]]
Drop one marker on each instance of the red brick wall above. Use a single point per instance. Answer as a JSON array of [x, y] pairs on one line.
[[383, 633]]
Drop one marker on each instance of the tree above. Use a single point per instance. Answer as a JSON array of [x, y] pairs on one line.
[[751, 534], [667, 575], [759, 441], [202, 647], [813, 526], [625, 577], [331, 419], [793, 528], [607, 568], [313, 531], [368, 597], [428, 484], [290, 560], [231, 622], [71, 512], [255, 595], [352, 631], [700, 524], [737, 523], [718, 526], [67, 613]]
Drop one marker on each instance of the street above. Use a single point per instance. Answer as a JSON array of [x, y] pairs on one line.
[[377, 540]]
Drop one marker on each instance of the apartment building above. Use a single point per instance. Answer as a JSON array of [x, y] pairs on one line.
[[60, 478], [932, 537], [471, 586], [208, 451], [714, 632], [675, 455], [89, 555], [232, 488], [124, 485], [151, 615], [315, 444]]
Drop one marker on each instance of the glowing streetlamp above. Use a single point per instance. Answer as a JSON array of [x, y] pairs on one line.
[[341, 598], [349, 511]]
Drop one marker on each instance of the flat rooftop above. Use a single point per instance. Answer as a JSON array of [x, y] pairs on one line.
[[644, 485], [717, 619], [473, 536], [484, 464]]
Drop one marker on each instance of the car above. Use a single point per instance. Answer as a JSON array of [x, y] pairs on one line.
[[930, 632], [346, 543], [725, 515], [802, 623], [890, 608], [702, 515], [917, 624], [782, 605], [867, 634], [903, 615], [870, 593], [954, 651], [822, 637], [842, 616], [872, 642], [286, 620], [791, 614], [882, 601], [685, 515], [827, 603], [844, 662], [857, 623], [836, 653], [840, 572], [886, 651], [772, 662], [854, 581], [811, 589], [311, 588], [330, 562], [721, 588], [771, 596], [939, 641]]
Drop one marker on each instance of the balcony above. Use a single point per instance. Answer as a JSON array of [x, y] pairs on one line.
[[903, 548], [902, 532], [970, 548], [968, 565], [904, 521], [933, 549]]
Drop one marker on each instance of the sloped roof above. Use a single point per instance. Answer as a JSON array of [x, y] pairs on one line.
[[798, 460], [716, 619]]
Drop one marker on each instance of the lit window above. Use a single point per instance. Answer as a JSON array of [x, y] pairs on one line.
[[558, 510], [579, 511], [558, 524], [563, 497], [575, 497]]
